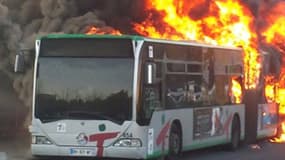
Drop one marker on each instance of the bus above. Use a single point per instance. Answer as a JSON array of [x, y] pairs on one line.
[[139, 98]]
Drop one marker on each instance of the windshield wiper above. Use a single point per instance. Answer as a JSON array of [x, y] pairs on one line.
[[47, 119], [79, 115]]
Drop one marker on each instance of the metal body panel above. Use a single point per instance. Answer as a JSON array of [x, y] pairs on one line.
[[60, 147], [267, 121], [190, 120]]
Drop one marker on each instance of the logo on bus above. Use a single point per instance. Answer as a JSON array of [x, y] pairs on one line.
[[82, 139]]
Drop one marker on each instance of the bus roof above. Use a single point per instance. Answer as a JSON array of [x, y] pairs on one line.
[[79, 36], [136, 38]]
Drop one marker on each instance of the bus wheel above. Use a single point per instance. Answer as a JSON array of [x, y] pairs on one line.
[[175, 142], [235, 134]]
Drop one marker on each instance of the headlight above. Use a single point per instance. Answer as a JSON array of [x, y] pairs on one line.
[[128, 142], [40, 140]]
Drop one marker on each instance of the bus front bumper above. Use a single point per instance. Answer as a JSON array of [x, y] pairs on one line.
[[78, 151]]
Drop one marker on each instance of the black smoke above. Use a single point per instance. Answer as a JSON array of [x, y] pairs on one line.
[[21, 21]]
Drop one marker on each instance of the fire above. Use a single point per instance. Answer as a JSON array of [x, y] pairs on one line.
[[236, 91], [221, 22], [281, 93], [269, 92], [281, 138], [275, 33], [270, 89], [104, 30], [225, 23], [281, 100]]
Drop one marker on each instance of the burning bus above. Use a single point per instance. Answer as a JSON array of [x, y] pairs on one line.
[[137, 97]]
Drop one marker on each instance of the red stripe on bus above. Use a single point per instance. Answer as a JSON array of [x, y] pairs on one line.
[[100, 138], [162, 133]]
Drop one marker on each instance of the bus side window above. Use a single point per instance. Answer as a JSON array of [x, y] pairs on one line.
[[152, 94], [151, 101]]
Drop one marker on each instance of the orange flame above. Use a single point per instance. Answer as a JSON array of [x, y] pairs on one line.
[[281, 138], [281, 92], [226, 22], [281, 100], [219, 22], [270, 89], [103, 30], [236, 91], [275, 32]]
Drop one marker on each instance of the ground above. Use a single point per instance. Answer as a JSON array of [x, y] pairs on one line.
[[15, 147]]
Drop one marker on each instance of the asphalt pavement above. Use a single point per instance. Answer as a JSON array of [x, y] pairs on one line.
[[16, 147]]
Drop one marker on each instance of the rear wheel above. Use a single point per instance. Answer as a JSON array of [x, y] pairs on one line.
[[235, 134]]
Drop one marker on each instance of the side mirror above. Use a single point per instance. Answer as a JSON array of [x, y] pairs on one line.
[[150, 73], [19, 66]]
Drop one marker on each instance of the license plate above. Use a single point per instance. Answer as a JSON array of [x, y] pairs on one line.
[[82, 152]]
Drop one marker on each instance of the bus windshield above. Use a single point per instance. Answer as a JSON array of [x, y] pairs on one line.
[[84, 88]]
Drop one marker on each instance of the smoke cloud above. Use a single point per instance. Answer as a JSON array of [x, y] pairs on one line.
[[22, 21]]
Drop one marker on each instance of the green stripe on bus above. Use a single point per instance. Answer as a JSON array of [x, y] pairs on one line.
[[157, 154], [79, 36], [193, 146], [210, 143], [203, 145]]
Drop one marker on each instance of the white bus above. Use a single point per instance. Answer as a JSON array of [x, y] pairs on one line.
[[136, 97]]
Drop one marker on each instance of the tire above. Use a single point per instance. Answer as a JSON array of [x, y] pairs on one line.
[[235, 134], [175, 143]]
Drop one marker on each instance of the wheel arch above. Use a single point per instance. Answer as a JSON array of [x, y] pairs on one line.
[[235, 137], [179, 125], [236, 115]]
